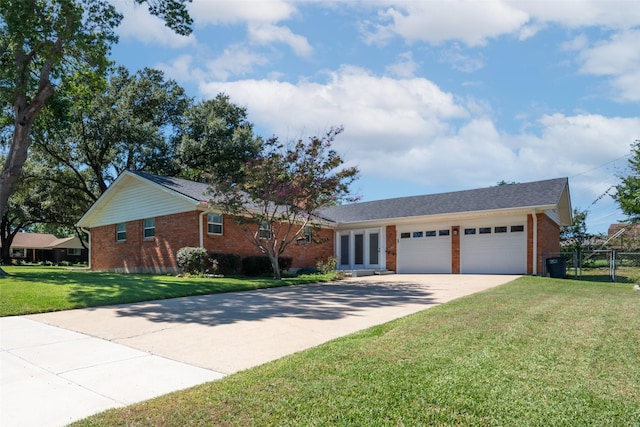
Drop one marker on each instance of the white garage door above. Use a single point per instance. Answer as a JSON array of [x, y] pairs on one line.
[[495, 249], [424, 249]]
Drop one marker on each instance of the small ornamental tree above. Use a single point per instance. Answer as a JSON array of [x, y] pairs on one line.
[[628, 191], [278, 194]]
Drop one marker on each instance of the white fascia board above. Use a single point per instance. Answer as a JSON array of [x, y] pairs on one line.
[[452, 217]]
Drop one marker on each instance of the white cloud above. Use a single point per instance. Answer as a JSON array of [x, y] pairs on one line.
[[405, 66], [139, 24], [268, 33], [618, 58], [206, 12], [437, 21], [409, 130], [234, 61], [461, 61], [615, 14]]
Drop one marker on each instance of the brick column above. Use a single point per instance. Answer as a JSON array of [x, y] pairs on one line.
[[391, 250], [455, 249]]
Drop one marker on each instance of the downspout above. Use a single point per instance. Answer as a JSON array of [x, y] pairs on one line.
[[535, 243], [201, 228], [88, 233]]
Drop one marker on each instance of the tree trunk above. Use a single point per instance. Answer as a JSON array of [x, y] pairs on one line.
[[275, 265]]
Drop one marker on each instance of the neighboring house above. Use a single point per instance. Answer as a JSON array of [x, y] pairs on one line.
[[142, 220], [624, 237], [38, 247]]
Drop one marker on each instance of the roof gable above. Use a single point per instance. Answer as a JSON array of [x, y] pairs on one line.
[[548, 194], [138, 195]]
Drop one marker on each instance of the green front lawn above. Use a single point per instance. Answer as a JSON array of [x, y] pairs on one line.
[[530, 353], [41, 289]]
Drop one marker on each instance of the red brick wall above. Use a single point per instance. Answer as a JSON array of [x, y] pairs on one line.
[[548, 240], [158, 254], [391, 251], [455, 249]]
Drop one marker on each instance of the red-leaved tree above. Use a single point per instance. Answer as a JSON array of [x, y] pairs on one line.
[[281, 190]]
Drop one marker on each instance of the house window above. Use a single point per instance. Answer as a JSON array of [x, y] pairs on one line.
[[443, 232], [405, 235], [149, 227], [307, 234], [214, 223], [18, 252], [501, 229], [431, 233], [265, 231], [74, 251], [417, 234], [468, 231], [517, 228], [121, 232], [484, 230]]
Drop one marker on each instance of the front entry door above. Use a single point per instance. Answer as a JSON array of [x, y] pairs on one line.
[[360, 249]]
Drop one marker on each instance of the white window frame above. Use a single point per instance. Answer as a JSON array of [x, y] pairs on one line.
[[74, 251], [212, 224], [149, 228], [121, 231], [18, 252], [265, 231]]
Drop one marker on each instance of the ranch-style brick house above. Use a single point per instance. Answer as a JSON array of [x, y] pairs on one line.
[[142, 220]]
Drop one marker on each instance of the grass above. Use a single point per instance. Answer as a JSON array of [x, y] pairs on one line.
[[42, 289], [533, 352]]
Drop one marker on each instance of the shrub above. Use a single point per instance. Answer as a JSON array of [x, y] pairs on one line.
[[260, 265], [228, 264], [327, 266], [192, 260]]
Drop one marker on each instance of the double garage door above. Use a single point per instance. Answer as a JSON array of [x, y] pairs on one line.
[[493, 248]]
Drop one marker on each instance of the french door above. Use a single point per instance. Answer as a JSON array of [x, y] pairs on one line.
[[360, 249]]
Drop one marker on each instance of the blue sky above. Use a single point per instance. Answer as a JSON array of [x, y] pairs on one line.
[[434, 95]]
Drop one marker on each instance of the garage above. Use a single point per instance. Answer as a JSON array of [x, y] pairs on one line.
[[493, 249], [424, 249]]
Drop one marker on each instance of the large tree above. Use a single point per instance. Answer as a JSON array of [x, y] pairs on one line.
[[278, 194], [628, 191], [42, 42], [86, 139], [216, 140]]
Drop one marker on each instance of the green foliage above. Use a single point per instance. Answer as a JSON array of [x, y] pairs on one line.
[[216, 140], [192, 260], [574, 237], [173, 12], [259, 265], [280, 191], [327, 266], [227, 264], [628, 191]]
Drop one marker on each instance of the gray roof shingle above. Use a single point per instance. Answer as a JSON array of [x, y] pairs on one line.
[[510, 196], [194, 190], [531, 194]]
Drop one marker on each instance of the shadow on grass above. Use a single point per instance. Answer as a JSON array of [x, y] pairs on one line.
[[89, 289], [324, 302]]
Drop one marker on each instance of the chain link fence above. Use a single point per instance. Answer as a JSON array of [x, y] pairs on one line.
[[599, 265]]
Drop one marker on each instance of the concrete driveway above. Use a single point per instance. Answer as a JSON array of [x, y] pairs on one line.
[[63, 366]]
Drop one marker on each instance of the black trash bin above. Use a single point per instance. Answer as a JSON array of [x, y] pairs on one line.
[[557, 267]]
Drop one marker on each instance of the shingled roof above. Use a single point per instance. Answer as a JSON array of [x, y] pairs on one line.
[[547, 193], [511, 196], [194, 190]]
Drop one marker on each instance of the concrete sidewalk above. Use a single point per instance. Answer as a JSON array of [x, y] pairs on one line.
[[60, 367]]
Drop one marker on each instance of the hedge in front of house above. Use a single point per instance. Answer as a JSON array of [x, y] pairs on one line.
[[192, 260], [260, 265], [228, 264]]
